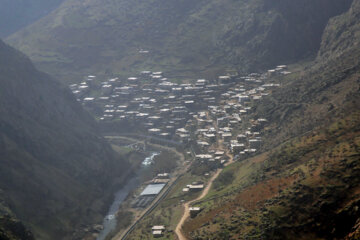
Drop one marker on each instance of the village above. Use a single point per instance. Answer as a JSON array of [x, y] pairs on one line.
[[183, 112], [211, 119]]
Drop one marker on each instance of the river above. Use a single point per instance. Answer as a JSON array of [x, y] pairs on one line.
[[109, 222]]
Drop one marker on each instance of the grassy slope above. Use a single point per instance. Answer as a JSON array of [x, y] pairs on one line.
[[307, 184], [185, 38], [314, 197], [168, 212]]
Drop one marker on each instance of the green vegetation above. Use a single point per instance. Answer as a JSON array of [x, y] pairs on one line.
[[56, 173], [289, 194], [227, 177], [168, 212], [165, 162], [124, 219], [306, 185], [122, 150]]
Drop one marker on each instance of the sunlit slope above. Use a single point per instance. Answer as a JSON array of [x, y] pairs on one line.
[[305, 189], [186, 38], [56, 171], [306, 183]]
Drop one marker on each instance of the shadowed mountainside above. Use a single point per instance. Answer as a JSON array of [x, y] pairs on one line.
[[16, 14], [10, 229], [56, 173], [185, 38]]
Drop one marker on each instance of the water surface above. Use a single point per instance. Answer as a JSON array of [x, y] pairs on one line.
[[134, 182]]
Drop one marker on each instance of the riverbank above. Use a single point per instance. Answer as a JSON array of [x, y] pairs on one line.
[[110, 221], [121, 208], [178, 171]]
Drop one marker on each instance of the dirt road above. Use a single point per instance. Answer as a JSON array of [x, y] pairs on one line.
[[186, 213]]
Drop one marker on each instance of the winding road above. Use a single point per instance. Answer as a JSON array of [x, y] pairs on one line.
[[186, 214]]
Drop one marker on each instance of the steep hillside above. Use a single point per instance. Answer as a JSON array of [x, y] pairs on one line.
[[306, 189], [306, 183], [319, 93], [342, 34], [56, 171], [16, 14], [10, 229], [186, 38]]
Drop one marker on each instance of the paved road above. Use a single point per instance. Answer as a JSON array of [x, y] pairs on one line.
[[123, 234], [186, 213], [179, 154]]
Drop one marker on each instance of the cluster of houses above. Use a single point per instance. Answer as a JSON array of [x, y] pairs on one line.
[[202, 113], [211, 116], [164, 108]]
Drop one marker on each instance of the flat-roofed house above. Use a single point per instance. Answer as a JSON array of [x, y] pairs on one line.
[[194, 211], [158, 231]]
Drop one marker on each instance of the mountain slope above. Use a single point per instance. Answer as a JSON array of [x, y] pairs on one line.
[[11, 229], [306, 183], [184, 37], [16, 14], [306, 189], [56, 171], [324, 90]]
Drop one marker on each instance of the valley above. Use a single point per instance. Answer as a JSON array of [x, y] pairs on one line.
[[199, 119], [214, 119]]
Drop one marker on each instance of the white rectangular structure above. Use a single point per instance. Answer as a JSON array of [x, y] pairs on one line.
[[152, 189]]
